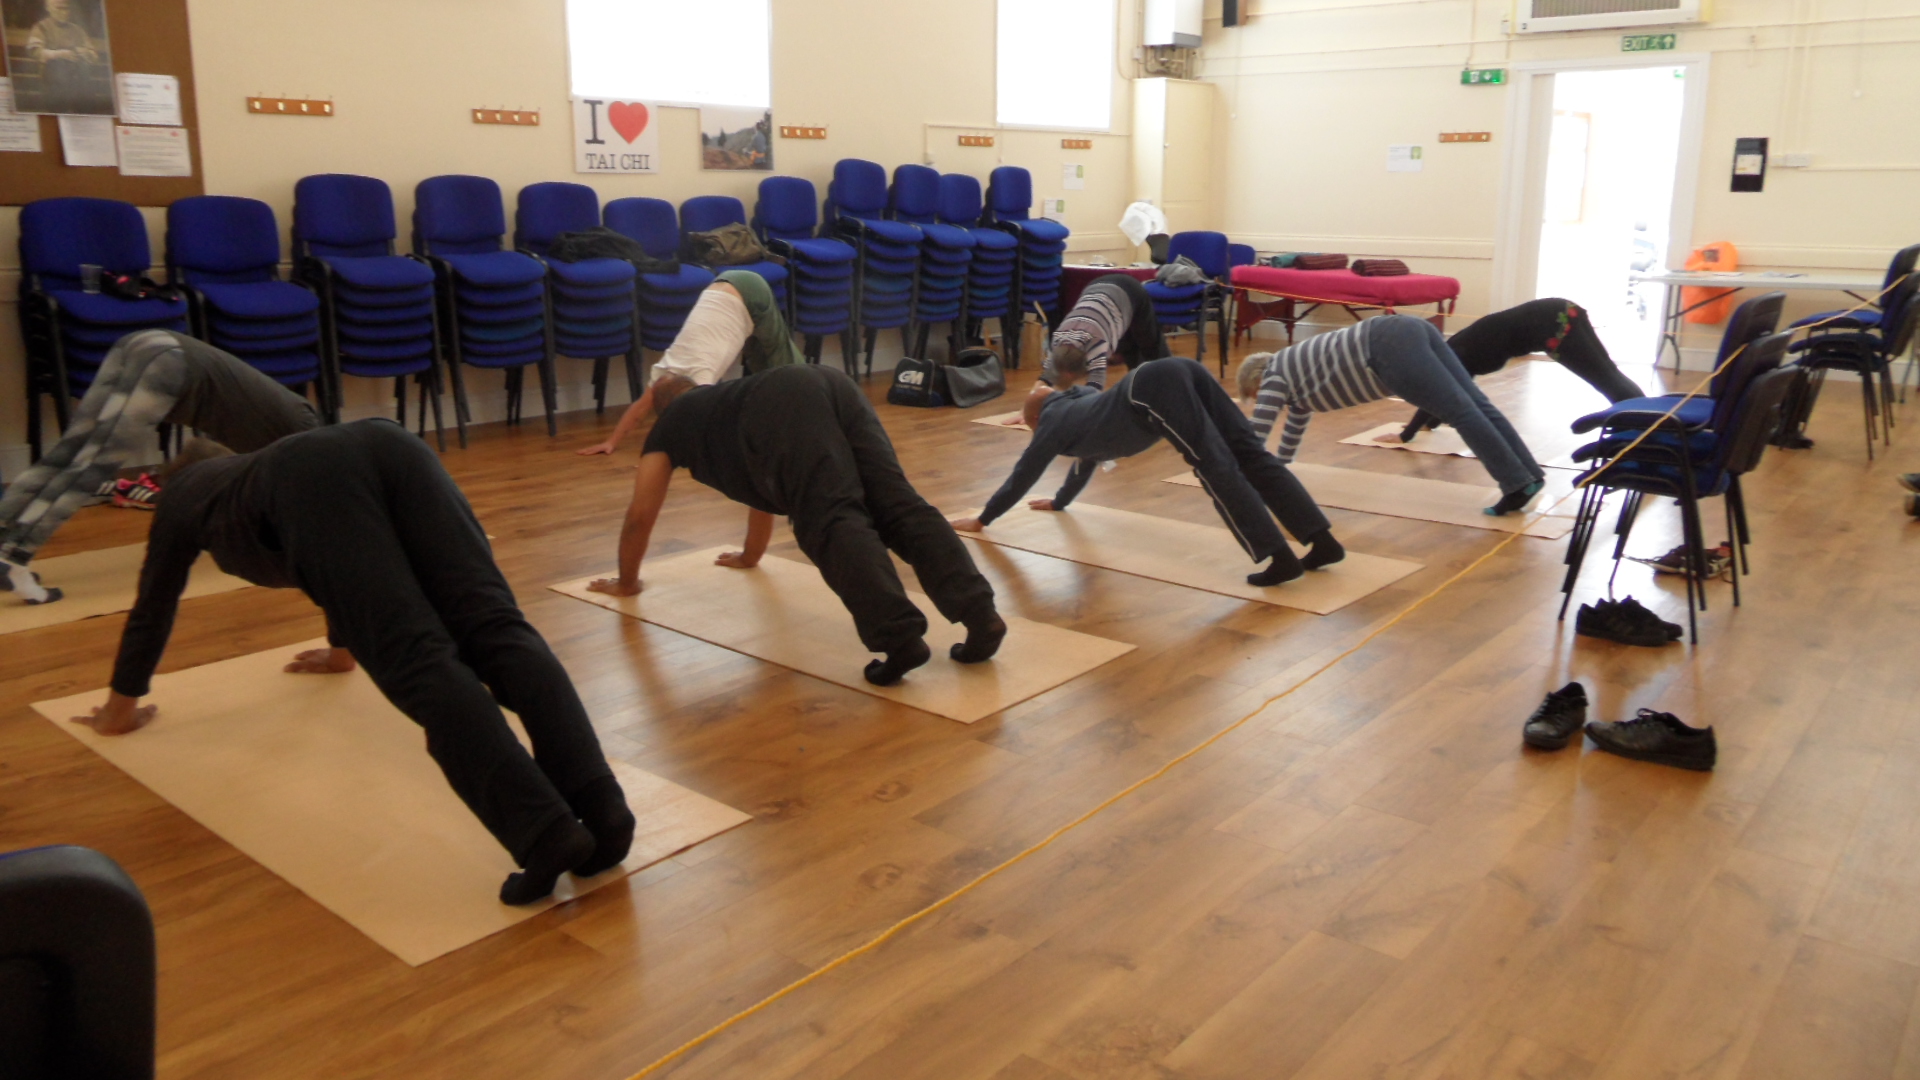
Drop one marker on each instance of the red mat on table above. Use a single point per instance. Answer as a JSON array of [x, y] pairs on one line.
[[1346, 287]]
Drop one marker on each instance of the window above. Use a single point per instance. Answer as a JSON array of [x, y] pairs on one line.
[[685, 52], [1056, 63]]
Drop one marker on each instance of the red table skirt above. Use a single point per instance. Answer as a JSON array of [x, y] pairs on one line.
[[1346, 287]]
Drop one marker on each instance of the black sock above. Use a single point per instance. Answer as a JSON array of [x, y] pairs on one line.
[[602, 807], [1325, 550], [898, 663], [1284, 567], [1514, 500], [564, 845], [983, 640]]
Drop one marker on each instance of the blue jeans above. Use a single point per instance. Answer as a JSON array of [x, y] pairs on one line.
[[1410, 358]]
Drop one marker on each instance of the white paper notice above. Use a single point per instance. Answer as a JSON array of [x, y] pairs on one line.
[[149, 99], [17, 133], [155, 151], [1073, 177], [88, 140], [1403, 158], [1053, 209]]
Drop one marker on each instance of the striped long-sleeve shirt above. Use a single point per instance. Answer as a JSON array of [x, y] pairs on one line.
[[1323, 373], [1097, 323]]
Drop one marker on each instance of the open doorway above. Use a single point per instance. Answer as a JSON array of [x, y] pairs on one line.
[[1607, 198], [1599, 175]]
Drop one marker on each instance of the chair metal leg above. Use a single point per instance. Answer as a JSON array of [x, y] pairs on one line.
[[400, 400], [550, 394], [632, 361], [1736, 549], [600, 385]]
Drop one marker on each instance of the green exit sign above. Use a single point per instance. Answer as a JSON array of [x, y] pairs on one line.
[[1483, 76], [1648, 42]]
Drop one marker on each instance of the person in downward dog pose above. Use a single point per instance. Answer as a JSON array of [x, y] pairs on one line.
[[1368, 361], [148, 378], [736, 318], [1177, 400], [363, 519], [803, 441], [1559, 328], [1112, 322]]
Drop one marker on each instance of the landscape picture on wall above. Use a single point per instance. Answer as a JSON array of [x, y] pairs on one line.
[[736, 138]]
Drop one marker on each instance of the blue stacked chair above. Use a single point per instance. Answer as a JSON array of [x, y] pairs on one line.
[[1043, 245], [66, 329], [1188, 306], [940, 294], [705, 213], [1686, 462], [664, 299], [994, 265], [1865, 350], [493, 303], [889, 260], [1752, 320], [1901, 265], [376, 307], [820, 297], [225, 251], [591, 301]]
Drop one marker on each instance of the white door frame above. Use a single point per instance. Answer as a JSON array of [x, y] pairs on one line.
[[1512, 232]]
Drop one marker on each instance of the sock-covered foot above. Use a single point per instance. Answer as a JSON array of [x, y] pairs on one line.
[[897, 664], [1284, 567], [1514, 500], [15, 578], [564, 845], [983, 640], [1325, 550], [602, 807]]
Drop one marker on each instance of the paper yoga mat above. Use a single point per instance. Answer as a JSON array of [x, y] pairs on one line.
[[781, 612], [1427, 500], [1204, 557], [320, 780], [1440, 440], [99, 583], [1008, 420]]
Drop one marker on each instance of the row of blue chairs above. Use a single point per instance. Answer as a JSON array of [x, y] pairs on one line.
[[922, 249]]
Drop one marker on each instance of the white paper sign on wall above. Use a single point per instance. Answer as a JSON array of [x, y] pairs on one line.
[[1403, 158], [615, 136]]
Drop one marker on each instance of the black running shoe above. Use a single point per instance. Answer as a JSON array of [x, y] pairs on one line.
[[1634, 610], [1910, 481], [1913, 506], [1608, 620], [1657, 737], [1555, 721]]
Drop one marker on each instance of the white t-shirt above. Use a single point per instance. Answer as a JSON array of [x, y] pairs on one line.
[[710, 342]]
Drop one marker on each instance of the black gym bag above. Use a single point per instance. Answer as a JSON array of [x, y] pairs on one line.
[[916, 383], [973, 377]]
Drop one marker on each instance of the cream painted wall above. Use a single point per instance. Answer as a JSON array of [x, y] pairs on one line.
[[883, 77], [1313, 92]]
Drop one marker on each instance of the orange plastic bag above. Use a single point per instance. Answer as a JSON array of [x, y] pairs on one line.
[[1715, 304]]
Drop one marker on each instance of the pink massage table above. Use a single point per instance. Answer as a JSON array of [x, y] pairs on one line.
[[1342, 288]]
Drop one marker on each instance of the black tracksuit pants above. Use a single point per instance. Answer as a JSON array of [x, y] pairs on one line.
[[1189, 409], [381, 538], [1143, 340], [816, 448], [1489, 342]]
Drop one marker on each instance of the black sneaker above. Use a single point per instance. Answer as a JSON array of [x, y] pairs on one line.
[[1634, 610], [1913, 506], [1611, 621], [1554, 722], [1657, 737], [1910, 481], [1719, 561]]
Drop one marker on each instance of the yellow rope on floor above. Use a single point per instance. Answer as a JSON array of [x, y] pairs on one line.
[[1044, 842]]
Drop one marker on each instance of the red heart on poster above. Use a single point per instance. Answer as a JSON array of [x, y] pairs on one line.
[[629, 118]]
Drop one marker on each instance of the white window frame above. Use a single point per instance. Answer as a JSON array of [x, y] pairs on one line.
[[1014, 7], [661, 99]]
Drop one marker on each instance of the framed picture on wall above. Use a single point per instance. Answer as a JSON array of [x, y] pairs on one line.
[[736, 138], [58, 56]]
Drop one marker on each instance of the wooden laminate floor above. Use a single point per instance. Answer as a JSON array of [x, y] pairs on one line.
[[1371, 879]]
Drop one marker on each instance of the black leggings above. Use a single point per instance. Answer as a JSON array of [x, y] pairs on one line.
[[1557, 327], [1143, 340], [816, 446], [381, 538], [1188, 407]]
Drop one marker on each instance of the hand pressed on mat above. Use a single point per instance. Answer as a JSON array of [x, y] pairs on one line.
[[333, 661], [119, 716]]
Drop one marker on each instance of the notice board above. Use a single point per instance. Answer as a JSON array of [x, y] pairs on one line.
[[148, 37]]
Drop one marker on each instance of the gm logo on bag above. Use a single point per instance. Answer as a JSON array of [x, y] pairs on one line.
[[912, 378]]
